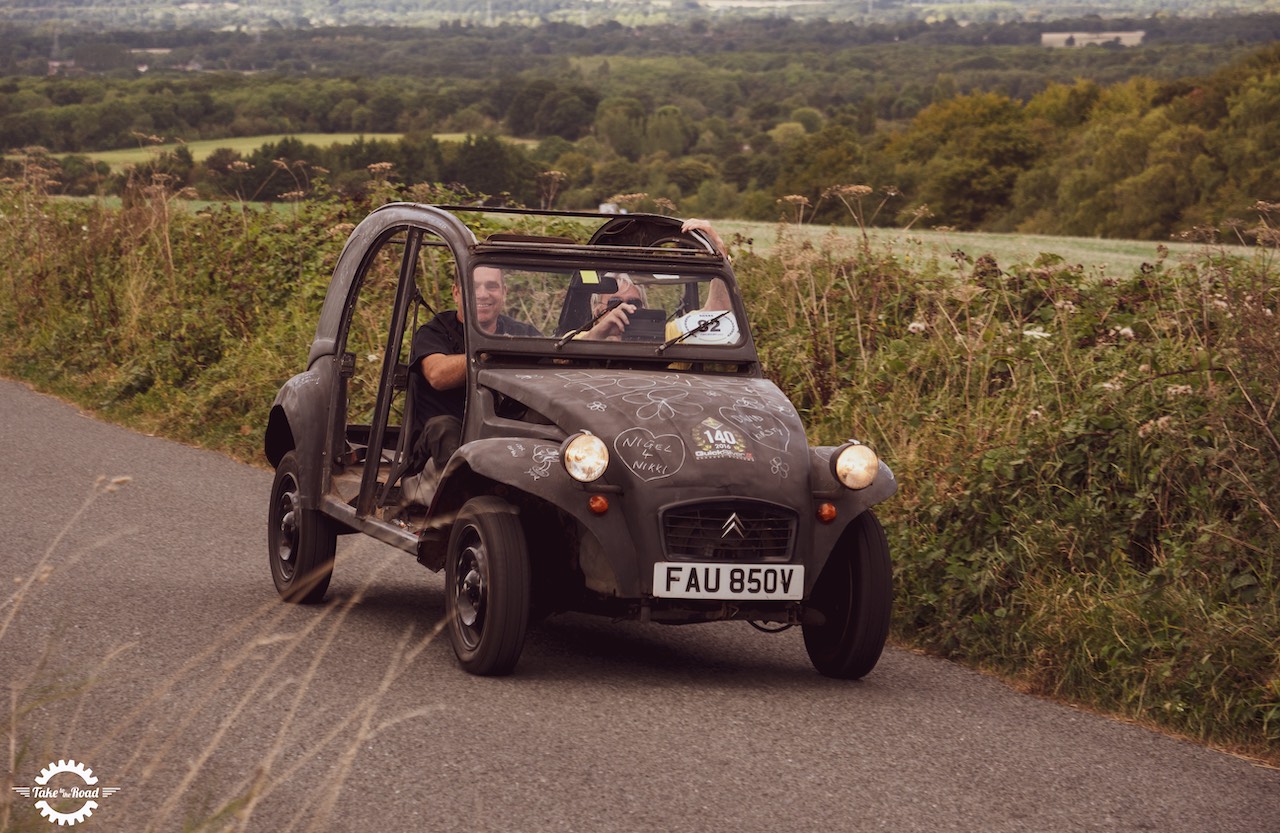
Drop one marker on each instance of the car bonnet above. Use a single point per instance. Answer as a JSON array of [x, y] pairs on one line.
[[733, 435]]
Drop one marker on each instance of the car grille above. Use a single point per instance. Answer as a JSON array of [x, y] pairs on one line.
[[728, 531]]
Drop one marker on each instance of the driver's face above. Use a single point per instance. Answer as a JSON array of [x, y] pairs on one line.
[[491, 294]]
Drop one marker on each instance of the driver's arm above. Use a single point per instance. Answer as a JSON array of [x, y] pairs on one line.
[[444, 371], [696, 224], [718, 296]]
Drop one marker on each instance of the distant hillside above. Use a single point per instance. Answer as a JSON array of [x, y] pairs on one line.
[[260, 15]]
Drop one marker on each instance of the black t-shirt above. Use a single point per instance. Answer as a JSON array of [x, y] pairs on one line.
[[443, 334]]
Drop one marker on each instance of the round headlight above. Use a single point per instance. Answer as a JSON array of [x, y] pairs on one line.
[[855, 465], [585, 457]]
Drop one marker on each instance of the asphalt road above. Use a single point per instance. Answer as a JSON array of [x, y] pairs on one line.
[[151, 648]]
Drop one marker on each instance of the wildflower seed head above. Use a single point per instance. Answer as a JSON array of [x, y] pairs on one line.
[[1156, 426], [847, 191]]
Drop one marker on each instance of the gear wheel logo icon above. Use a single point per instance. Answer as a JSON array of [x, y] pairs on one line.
[[85, 810], [66, 795]]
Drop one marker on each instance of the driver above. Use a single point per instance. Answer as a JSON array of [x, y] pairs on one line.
[[438, 366]]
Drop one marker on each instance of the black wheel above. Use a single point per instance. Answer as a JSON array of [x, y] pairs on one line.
[[855, 594], [300, 542], [487, 586]]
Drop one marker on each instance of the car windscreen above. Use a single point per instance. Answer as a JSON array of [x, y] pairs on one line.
[[646, 308]]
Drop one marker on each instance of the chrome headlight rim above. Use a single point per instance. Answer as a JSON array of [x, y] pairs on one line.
[[585, 456], [855, 465]]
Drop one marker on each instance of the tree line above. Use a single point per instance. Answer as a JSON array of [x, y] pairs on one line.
[[303, 15], [458, 49], [741, 136]]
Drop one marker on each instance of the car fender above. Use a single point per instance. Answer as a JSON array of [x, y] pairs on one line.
[[299, 421], [532, 466], [527, 465], [848, 503]]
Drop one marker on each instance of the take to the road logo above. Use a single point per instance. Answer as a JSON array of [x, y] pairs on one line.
[[66, 793]]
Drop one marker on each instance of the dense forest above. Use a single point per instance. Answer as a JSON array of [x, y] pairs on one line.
[[743, 119]]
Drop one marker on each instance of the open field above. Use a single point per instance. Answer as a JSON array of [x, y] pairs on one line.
[[914, 248], [201, 149], [1113, 257]]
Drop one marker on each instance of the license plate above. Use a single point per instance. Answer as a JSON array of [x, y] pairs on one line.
[[759, 582]]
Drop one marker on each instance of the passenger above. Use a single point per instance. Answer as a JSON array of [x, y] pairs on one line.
[[631, 297], [625, 300]]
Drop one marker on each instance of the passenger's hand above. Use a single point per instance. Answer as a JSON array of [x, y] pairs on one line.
[[704, 226], [613, 324]]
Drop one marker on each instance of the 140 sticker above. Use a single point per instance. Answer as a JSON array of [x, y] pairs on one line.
[[714, 440]]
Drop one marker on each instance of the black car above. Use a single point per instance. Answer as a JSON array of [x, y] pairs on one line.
[[650, 474]]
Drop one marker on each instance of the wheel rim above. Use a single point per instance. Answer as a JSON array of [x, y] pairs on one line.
[[471, 588], [287, 529]]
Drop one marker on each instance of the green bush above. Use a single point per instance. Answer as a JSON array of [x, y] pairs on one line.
[[1089, 464], [171, 320]]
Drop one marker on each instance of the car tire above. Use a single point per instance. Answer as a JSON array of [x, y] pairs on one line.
[[854, 593], [300, 541], [487, 587]]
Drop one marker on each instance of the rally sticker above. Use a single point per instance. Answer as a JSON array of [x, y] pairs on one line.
[[714, 440]]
